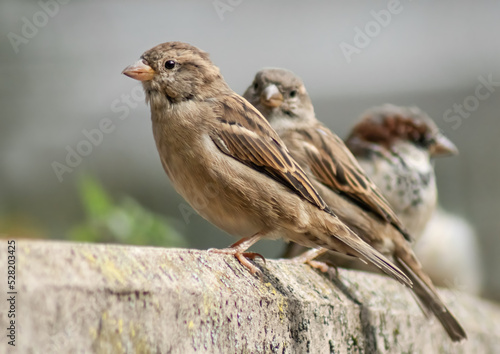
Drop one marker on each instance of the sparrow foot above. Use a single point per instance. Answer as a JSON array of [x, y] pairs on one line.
[[238, 250], [242, 257], [308, 258], [321, 266]]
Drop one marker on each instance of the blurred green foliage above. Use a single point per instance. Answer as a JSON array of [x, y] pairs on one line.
[[123, 222]]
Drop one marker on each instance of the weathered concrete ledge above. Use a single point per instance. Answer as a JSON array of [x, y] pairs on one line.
[[90, 298]]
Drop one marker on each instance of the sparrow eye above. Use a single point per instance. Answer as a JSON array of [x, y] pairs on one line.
[[255, 86], [293, 93], [169, 64]]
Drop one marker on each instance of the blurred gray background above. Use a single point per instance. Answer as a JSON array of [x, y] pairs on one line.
[[60, 68]]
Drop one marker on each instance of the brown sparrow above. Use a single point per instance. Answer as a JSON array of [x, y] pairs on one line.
[[282, 98], [394, 145], [224, 158]]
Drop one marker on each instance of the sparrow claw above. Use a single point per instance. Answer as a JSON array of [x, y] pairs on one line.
[[308, 258], [242, 257], [321, 266], [253, 255]]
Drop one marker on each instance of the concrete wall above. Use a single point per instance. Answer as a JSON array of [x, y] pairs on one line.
[[94, 298]]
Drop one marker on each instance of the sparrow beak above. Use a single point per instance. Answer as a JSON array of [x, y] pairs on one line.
[[139, 71], [442, 147], [271, 97]]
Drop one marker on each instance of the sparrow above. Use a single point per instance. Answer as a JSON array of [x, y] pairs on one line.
[[395, 145], [335, 173], [228, 163]]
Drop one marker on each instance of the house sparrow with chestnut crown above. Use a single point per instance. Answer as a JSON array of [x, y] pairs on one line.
[[394, 145], [282, 98], [216, 147]]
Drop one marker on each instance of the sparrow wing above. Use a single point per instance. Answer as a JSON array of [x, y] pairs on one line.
[[244, 134], [334, 165]]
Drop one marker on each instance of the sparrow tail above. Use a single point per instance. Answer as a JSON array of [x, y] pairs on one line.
[[372, 256], [428, 296], [366, 253]]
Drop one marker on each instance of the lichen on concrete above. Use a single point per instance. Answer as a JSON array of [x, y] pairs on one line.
[[91, 298]]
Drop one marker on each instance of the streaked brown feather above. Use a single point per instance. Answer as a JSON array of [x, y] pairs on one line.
[[428, 295], [244, 134], [335, 166]]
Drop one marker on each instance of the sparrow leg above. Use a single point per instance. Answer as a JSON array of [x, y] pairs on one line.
[[308, 258], [238, 249]]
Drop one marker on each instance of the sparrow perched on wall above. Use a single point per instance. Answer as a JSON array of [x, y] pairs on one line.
[[394, 145], [282, 98], [224, 158]]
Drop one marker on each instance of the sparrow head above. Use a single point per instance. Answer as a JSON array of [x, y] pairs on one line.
[[178, 72], [279, 93], [389, 124]]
